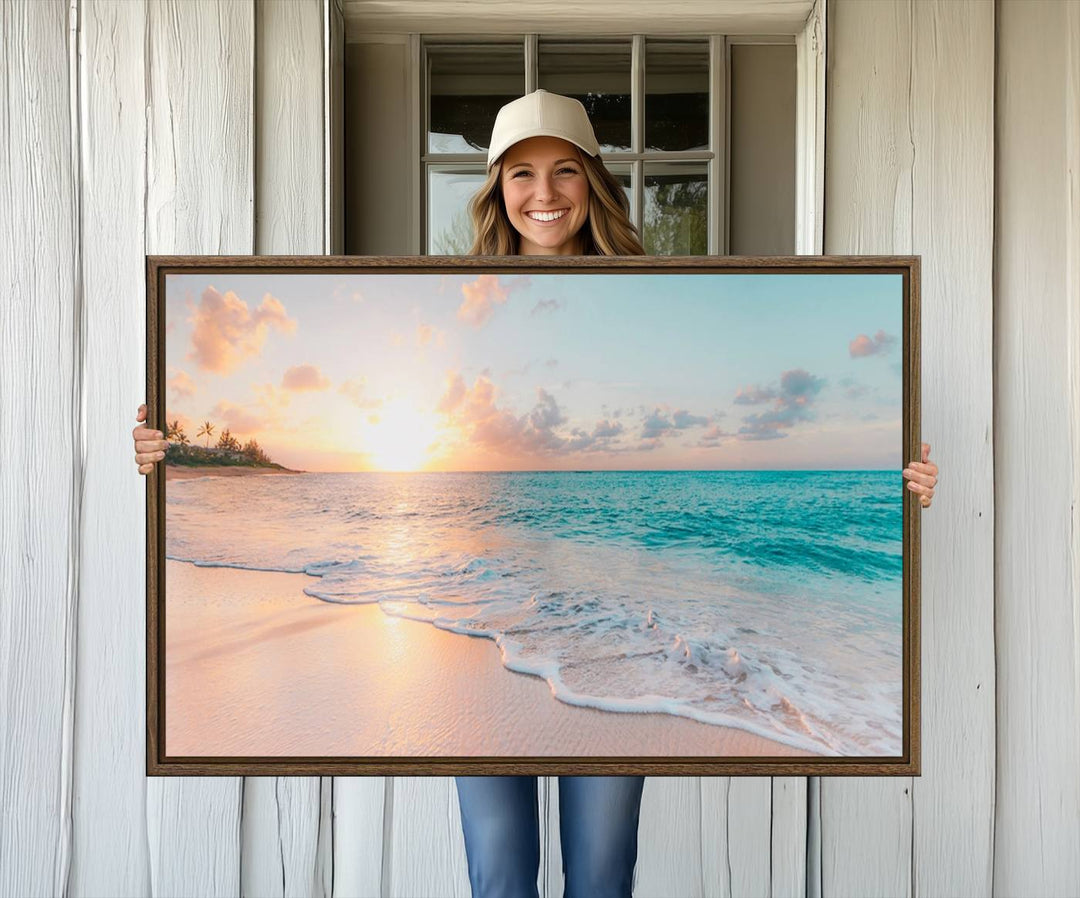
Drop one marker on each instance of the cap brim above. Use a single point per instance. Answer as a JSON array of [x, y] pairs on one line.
[[495, 153]]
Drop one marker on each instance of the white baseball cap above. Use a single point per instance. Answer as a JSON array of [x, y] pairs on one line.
[[541, 114]]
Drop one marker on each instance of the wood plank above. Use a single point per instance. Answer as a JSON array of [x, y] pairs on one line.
[[110, 735], [788, 836], [866, 822], [40, 444], [1037, 450], [670, 843], [952, 82], [199, 199], [742, 832], [426, 843], [334, 127], [715, 845], [280, 836], [290, 162], [362, 813], [283, 815], [749, 811]]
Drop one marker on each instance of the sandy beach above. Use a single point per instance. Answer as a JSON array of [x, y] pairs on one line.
[[256, 667], [187, 472]]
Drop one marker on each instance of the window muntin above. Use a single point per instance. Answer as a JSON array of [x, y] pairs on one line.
[[652, 103]]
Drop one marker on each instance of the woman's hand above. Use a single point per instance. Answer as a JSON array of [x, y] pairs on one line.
[[922, 477], [149, 445]]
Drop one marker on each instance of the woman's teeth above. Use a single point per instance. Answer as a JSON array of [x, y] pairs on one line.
[[546, 216]]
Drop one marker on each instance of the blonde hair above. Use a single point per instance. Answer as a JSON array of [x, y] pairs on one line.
[[607, 231]]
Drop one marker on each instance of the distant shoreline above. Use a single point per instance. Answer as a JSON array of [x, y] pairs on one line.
[[190, 472]]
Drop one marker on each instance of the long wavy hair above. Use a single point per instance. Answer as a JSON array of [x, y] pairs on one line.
[[607, 230]]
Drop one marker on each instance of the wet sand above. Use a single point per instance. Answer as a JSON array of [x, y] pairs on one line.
[[256, 667]]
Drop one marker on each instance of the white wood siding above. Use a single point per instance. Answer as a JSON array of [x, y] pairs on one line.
[[135, 127], [109, 819], [1037, 451], [909, 169], [41, 456]]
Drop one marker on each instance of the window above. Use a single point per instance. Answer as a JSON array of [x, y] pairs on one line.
[[659, 107]]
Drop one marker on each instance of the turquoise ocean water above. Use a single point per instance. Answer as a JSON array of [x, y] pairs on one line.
[[765, 600]]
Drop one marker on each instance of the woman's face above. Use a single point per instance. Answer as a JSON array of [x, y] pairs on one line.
[[546, 195]]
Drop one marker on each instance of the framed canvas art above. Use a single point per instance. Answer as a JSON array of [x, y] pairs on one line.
[[522, 515]]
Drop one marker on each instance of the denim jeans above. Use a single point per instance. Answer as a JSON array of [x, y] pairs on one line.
[[598, 822]]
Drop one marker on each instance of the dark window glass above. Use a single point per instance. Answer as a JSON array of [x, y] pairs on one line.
[[676, 95], [597, 74], [467, 84]]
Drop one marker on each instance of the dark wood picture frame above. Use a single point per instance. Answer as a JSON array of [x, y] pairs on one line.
[[159, 763]]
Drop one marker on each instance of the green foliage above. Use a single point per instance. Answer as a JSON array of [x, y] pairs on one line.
[[254, 452], [227, 452], [227, 441], [677, 219]]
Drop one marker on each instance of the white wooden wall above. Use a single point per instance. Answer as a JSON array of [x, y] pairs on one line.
[[1037, 450], [184, 127], [910, 149]]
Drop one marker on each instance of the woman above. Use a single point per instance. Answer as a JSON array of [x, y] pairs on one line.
[[548, 193]]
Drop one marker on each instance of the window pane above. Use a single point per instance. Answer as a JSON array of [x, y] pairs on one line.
[[676, 95], [466, 86], [597, 74], [676, 209], [449, 191]]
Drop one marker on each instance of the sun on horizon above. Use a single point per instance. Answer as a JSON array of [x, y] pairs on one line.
[[400, 439]]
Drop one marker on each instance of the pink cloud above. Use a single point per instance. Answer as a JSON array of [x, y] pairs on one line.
[[753, 395], [226, 331], [304, 378], [269, 397], [236, 418], [356, 390], [798, 390], [426, 335], [481, 297], [343, 291], [181, 384], [713, 437], [662, 422], [863, 345], [453, 395], [539, 432], [186, 424]]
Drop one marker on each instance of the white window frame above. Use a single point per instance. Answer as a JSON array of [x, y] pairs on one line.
[[810, 125]]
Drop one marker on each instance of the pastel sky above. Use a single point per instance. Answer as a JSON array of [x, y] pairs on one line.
[[366, 371]]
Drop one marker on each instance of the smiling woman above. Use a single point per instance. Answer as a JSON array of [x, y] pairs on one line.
[[402, 438]]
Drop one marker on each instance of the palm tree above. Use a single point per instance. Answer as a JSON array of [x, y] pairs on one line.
[[207, 430], [176, 432]]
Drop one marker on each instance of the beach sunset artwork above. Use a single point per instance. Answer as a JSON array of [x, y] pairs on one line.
[[555, 514]]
